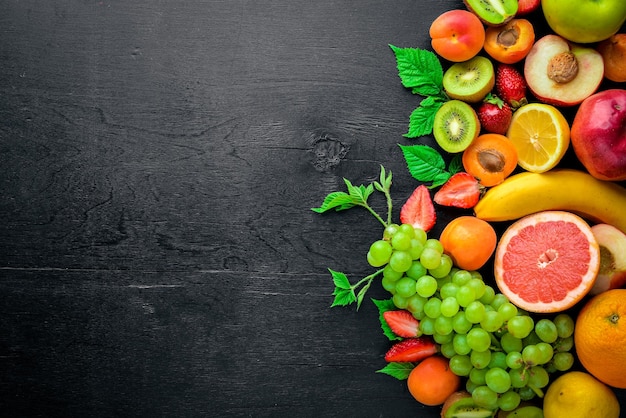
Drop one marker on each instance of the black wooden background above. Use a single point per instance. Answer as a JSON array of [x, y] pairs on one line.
[[158, 160]]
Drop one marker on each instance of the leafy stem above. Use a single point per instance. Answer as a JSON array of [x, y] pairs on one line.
[[346, 293]]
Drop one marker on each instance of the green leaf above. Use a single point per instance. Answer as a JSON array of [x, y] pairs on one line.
[[425, 163], [456, 165], [335, 200], [384, 306], [340, 279], [400, 371], [343, 297], [361, 294], [422, 119], [359, 194], [419, 70]]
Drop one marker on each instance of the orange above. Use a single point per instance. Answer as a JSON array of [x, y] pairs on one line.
[[600, 337], [432, 381], [469, 241], [541, 135], [547, 261]]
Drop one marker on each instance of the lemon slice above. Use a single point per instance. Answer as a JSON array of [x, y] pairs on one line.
[[541, 136]]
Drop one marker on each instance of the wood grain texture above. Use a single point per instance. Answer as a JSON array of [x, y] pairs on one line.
[[158, 160]]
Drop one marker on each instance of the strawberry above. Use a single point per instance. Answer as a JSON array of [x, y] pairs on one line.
[[411, 349], [419, 210], [525, 7], [494, 115], [462, 190], [511, 86], [402, 323]]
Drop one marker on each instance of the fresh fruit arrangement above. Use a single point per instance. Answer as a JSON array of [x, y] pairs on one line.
[[518, 306]]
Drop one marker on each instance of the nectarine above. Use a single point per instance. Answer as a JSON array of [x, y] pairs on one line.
[[457, 35]]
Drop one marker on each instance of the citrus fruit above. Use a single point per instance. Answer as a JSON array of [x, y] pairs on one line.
[[600, 337], [541, 136], [579, 395], [432, 381], [469, 241], [547, 261]]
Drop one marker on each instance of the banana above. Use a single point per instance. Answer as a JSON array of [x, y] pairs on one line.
[[558, 189]]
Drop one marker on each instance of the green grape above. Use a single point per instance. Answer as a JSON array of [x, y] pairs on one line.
[[432, 308], [478, 339], [480, 359], [563, 361], [520, 326], [514, 360], [509, 343], [416, 249], [400, 261], [470, 386], [507, 310], [390, 231], [564, 325], [427, 325], [519, 377], [430, 258], [449, 306], [498, 300], [477, 376], [538, 377], [444, 267], [443, 325], [460, 323], [564, 344], [475, 312], [546, 330], [405, 287], [447, 349], [498, 359], [546, 352], [461, 277], [408, 229], [426, 286], [460, 365], [460, 344], [532, 355], [485, 397], [420, 235], [498, 380], [526, 393], [492, 321], [416, 304], [442, 338], [465, 295], [400, 302], [531, 338], [416, 270], [391, 273], [509, 400], [379, 253], [448, 290], [401, 240], [488, 296], [478, 286], [435, 244], [388, 284]]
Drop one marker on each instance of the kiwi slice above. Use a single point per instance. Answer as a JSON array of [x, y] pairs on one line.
[[461, 405], [493, 12], [455, 126], [470, 80]]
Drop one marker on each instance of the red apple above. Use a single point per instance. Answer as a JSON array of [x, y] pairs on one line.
[[612, 274], [562, 73], [598, 134]]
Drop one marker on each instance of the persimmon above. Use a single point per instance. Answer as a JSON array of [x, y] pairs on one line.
[[511, 42], [431, 382], [457, 35], [469, 241], [490, 158]]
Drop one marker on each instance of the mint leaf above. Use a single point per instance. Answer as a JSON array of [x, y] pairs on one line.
[[400, 371], [335, 200], [425, 164], [422, 119], [359, 194], [384, 306], [419, 70], [456, 165]]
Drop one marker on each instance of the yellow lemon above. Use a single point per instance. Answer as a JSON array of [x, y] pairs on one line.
[[541, 135], [579, 395]]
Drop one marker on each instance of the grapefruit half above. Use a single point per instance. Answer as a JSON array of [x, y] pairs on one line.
[[547, 261]]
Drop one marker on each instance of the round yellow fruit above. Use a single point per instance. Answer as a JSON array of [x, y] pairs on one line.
[[579, 395]]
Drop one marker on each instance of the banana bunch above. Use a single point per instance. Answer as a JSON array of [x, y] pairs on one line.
[[559, 189]]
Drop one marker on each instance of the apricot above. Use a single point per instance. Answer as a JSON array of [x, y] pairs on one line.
[[511, 42], [457, 35], [613, 51]]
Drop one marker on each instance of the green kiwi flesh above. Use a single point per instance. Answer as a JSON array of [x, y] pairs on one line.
[[455, 126], [466, 408], [529, 411], [470, 80], [493, 12]]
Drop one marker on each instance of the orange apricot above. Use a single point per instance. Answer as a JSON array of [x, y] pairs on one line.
[[457, 35], [469, 241], [510, 43], [613, 51], [431, 382], [490, 158]]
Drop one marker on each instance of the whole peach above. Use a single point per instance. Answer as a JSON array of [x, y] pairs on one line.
[[613, 51], [457, 35]]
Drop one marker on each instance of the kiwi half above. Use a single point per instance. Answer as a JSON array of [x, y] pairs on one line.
[[470, 80], [493, 12], [455, 126], [461, 405]]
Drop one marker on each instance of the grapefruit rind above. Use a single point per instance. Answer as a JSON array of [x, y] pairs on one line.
[[536, 280]]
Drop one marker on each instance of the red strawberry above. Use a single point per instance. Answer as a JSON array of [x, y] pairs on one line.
[[494, 115], [511, 86], [419, 210], [462, 190], [411, 349], [527, 6], [402, 323]]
